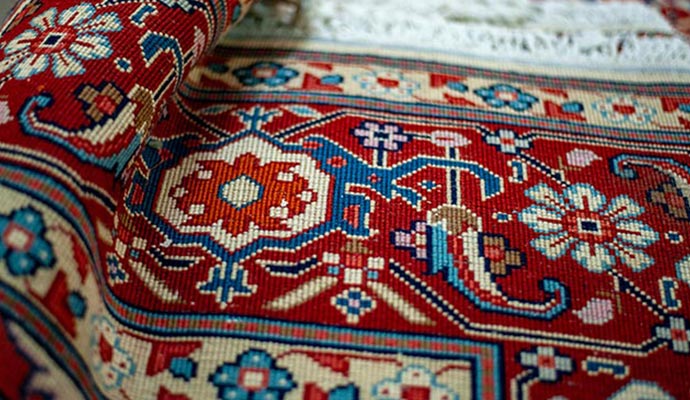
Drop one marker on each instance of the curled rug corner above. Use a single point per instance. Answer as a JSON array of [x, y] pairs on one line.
[[82, 83], [91, 78]]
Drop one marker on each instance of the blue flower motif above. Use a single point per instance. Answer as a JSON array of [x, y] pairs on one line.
[[253, 376], [61, 41], [595, 230], [22, 242], [354, 303], [265, 72], [502, 95]]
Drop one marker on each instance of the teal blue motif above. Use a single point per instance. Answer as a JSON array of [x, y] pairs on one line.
[[23, 245], [502, 95], [253, 376]]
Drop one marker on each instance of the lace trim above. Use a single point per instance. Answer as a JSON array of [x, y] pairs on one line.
[[555, 32]]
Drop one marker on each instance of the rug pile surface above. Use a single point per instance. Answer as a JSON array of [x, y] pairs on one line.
[[382, 200]]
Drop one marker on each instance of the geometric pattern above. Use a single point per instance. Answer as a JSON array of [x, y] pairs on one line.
[[283, 220]]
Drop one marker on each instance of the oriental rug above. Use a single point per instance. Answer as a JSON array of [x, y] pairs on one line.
[[382, 200]]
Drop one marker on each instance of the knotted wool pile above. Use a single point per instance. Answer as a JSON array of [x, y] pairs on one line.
[[384, 200]]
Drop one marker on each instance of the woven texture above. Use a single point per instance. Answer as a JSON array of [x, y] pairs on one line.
[[297, 215]]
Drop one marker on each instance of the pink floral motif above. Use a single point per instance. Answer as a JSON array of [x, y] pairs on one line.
[[596, 312], [581, 157]]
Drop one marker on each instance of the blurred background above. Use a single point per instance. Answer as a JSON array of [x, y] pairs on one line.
[[5, 6]]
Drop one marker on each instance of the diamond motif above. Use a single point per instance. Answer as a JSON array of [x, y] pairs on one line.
[[590, 226], [52, 40]]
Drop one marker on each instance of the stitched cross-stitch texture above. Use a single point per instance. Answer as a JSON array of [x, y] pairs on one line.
[[348, 207]]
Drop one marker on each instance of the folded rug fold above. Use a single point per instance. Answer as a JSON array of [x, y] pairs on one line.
[[82, 84]]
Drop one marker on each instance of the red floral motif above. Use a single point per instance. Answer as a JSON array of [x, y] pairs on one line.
[[243, 194]]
